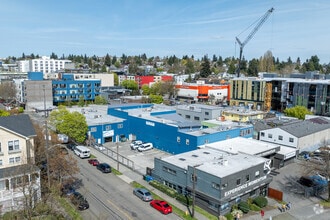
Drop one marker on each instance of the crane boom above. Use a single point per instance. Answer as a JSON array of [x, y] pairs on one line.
[[249, 37]]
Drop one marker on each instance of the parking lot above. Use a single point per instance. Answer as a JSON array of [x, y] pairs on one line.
[[140, 160]]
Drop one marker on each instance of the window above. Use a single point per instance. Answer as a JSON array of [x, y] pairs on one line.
[[270, 135], [16, 145], [206, 113], [257, 174], [215, 185], [291, 140], [1, 163], [188, 116], [10, 146], [187, 141], [178, 139], [280, 137], [196, 118], [93, 129], [262, 134], [120, 126], [11, 160], [224, 185], [238, 182], [247, 178], [0, 147], [17, 159], [108, 127]]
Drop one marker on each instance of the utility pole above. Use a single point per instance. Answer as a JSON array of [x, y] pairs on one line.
[[194, 192], [194, 179], [46, 136], [117, 140]]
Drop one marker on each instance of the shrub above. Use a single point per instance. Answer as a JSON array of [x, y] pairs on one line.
[[165, 189], [260, 201], [244, 206], [229, 216], [184, 199], [236, 213], [254, 207]]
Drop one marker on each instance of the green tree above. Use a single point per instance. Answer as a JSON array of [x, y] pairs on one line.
[[72, 124], [115, 79], [156, 99], [205, 68], [130, 84], [297, 112], [145, 90], [104, 69], [100, 100], [81, 101], [107, 60]]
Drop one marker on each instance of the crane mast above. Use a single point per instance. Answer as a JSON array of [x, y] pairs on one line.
[[249, 37]]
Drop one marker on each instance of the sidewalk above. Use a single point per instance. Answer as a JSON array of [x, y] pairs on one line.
[[129, 176]]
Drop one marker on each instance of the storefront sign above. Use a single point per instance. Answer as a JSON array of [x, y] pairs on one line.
[[245, 186], [150, 123]]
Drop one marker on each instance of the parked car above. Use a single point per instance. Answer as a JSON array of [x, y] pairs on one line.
[[161, 206], [67, 190], [104, 168], [143, 194], [93, 161], [71, 146], [99, 146], [135, 144], [306, 181], [145, 147], [79, 201]]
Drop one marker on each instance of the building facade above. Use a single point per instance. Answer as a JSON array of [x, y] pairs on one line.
[[203, 92], [217, 178], [44, 64], [281, 93], [19, 177], [69, 89], [307, 135]]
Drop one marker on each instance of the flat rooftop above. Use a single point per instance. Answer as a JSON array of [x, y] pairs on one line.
[[243, 145], [96, 114], [216, 162]]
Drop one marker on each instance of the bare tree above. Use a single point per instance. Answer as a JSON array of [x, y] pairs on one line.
[[8, 91], [319, 165]]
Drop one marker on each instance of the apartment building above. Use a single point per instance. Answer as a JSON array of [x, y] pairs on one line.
[[44, 64]]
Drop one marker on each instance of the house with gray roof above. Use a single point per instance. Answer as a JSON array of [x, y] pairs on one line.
[[306, 135], [19, 177]]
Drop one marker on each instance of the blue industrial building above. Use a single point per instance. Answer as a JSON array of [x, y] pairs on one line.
[[68, 89], [170, 132]]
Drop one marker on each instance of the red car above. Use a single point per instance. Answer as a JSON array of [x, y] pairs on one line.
[[93, 161], [161, 206]]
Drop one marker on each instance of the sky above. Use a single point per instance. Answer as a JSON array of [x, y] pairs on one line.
[[296, 28]]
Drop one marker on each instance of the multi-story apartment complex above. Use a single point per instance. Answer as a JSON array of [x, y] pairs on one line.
[[19, 177], [69, 89], [280, 93], [44, 64]]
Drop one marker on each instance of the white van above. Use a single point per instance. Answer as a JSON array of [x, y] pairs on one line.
[[82, 151]]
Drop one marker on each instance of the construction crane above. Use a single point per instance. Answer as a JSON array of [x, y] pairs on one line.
[[249, 37]]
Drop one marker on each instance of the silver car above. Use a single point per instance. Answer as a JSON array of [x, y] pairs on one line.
[[143, 194]]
